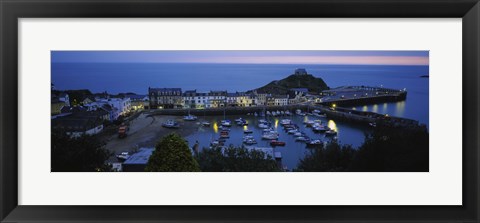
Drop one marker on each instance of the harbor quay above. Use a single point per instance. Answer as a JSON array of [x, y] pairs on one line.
[[226, 110], [349, 96], [371, 118]]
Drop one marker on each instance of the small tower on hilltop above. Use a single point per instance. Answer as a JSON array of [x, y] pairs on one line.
[[300, 71]]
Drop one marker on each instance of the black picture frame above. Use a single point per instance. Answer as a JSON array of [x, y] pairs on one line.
[[11, 11]]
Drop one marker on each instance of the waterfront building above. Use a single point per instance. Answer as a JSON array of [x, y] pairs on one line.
[[102, 104], [280, 100], [189, 99], [200, 100], [270, 101], [261, 97], [64, 97], [217, 99], [165, 97], [138, 102], [299, 91], [112, 112], [87, 100], [297, 95], [123, 105], [194, 99], [78, 124], [232, 99], [58, 101], [56, 106], [245, 100]]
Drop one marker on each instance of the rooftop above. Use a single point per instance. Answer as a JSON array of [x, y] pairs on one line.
[[164, 89], [141, 157]]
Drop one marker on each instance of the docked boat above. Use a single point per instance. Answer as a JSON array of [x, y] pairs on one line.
[[247, 131], [284, 122], [309, 123], [262, 126], [226, 123], [250, 141], [315, 143], [170, 124], [269, 129], [205, 123], [224, 134], [216, 143], [372, 124], [320, 128], [190, 118], [223, 128], [298, 134], [241, 122], [330, 132], [123, 156], [277, 143], [287, 112], [320, 115], [302, 139], [293, 131], [270, 136]]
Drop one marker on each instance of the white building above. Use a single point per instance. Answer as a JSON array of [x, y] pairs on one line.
[[194, 99], [281, 100], [64, 97], [216, 99], [122, 104]]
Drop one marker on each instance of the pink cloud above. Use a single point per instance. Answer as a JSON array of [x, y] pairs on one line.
[[356, 60]]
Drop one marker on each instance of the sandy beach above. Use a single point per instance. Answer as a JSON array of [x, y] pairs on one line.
[[146, 131]]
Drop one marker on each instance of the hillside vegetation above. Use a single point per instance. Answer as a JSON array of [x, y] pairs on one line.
[[313, 84]]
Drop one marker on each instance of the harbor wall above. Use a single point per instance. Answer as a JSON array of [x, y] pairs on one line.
[[351, 115], [367, 100], [226, 110]]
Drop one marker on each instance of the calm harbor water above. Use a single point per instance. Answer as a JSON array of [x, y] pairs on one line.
[[293, 151], [137, 77]]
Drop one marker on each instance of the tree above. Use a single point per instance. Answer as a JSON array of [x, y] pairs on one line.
[[172, 154], [394, 150], [233, 159], [81, 154], [330, 158]]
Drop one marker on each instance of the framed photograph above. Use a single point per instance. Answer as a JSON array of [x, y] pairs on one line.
[[239, 111]]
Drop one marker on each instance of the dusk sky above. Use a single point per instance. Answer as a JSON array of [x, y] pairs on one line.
[[246, 57]]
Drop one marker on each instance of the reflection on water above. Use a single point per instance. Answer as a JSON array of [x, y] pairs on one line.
[[400, 108], [364, 108], [331, 124], [294, 150], [375, 108]]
